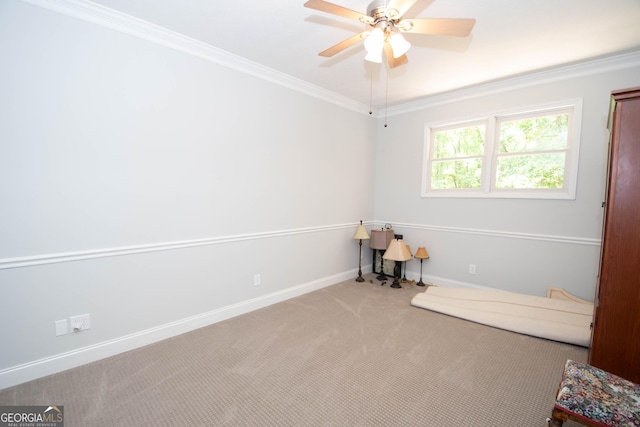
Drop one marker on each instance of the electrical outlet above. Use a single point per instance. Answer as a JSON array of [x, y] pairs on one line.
[[80, 323], [256, 280], [472, 269]]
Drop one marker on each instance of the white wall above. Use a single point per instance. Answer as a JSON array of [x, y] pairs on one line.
[[146, 186], [521, 245]]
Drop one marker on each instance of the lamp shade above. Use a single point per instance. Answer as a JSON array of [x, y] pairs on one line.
[[380, 239], [397, 251], [408, 248], [361, 233], [422, 253]]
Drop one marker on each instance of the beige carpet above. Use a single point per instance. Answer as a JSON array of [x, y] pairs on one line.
[[353, 354]]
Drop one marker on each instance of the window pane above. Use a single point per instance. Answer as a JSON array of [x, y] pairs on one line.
[[531, 171], [460, 142], [451, 174], [534, 134]]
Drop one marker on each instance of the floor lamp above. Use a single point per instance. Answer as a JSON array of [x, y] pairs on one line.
[[404, 275], [397, 252], [361, 234], [421, 254]]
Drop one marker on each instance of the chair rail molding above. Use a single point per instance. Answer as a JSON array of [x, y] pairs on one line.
[[28, 261], [495, 233]]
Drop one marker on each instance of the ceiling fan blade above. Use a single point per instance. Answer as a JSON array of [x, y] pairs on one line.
[[342, 45], [334, 9], [394, 62], [401, 5], [441, 26]]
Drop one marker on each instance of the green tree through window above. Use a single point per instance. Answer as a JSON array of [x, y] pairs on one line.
[[458, 157], [518, 155], [531, 152]]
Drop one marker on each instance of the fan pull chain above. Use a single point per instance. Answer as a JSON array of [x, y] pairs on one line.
[[386, 98], [370, 90]]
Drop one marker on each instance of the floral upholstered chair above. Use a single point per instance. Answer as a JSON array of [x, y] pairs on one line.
[[593, 397]]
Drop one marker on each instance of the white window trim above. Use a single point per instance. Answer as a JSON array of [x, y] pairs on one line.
[[487, 186]]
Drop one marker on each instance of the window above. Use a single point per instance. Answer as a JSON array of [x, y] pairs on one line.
[[522, 154], [457, 157]]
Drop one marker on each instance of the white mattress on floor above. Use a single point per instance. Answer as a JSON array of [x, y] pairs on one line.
[[554, 319]]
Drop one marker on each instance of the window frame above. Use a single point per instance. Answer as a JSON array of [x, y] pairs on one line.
[[491, 146]]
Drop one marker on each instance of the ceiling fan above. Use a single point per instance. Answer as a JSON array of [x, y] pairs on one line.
[[385, 25]]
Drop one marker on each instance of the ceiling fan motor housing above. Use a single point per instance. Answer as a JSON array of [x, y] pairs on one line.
[[377, 10]]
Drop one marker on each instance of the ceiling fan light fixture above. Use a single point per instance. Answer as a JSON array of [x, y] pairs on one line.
[[374, 44], [404, 25], [399, 45], [374, 56], [392, 14], [385, 17]]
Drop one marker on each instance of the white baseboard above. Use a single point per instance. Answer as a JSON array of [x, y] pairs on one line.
[[61, 362]]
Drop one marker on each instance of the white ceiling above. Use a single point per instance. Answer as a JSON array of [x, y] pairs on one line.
[[511, 37]]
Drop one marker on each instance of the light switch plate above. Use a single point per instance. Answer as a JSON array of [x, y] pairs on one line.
[[62, 328]]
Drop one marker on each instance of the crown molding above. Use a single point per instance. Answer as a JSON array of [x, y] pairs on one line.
[[572, 71], [105, 17]]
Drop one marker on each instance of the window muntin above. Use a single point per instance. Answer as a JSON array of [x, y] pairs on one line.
[[527, 154]]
